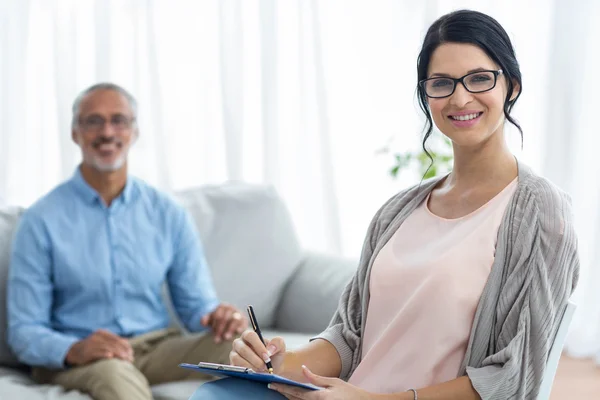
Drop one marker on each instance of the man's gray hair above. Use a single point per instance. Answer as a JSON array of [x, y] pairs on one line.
[[102, 86]]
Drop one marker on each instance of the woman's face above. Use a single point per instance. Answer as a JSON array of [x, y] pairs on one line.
[[454, 115]]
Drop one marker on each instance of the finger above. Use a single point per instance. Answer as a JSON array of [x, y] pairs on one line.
[[93, 357], [99, 353], [240, 324], [126, 356], [217, 315], [238, 361], [121, 347], [205, 321], [126, 346], [233, 328], [243, 325], [316, 379], [221, 324], [253, 341], [256, 361], [275, 345], [108, 350]]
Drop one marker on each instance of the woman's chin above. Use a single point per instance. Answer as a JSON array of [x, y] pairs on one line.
[[475, 138]]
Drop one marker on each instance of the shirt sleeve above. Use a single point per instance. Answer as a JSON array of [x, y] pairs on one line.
[[29, 299], [543, 273], [190, 282]]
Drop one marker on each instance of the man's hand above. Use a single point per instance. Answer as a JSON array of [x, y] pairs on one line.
[[225, 322], [99, 345]]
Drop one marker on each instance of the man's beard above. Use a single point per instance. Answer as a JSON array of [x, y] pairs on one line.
[[108, 167], [96, 163]]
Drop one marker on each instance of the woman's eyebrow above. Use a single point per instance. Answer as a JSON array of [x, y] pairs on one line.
[[442, 75]]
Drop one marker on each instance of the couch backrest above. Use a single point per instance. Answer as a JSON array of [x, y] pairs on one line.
[[249, 241], [247, 235], [8, 221]]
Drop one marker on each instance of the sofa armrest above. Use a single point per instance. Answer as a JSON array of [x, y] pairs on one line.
[[311, 295]]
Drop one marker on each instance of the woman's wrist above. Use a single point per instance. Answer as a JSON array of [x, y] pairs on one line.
[[395, 396], [291, 367]]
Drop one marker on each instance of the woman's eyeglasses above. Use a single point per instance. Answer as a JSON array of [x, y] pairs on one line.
[[475, 82]]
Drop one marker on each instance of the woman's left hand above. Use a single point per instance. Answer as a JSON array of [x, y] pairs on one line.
[[333, 389]]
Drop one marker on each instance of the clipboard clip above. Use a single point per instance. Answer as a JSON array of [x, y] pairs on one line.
[[221, 367]]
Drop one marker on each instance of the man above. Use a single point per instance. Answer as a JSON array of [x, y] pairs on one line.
[[88, 263]]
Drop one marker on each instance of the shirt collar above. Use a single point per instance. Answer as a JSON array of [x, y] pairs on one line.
[[90, 194]]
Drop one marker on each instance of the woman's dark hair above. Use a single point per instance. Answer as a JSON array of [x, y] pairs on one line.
[[481, 30]]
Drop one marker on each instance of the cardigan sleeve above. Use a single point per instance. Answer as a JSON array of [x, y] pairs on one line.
[[543, 272]]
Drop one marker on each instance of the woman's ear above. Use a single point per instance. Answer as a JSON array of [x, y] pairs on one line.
[[516, 90]]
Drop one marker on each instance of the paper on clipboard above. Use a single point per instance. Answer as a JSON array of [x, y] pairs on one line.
[[245, 373]]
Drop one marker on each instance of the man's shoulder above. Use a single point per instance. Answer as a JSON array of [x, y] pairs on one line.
[[51, 202]]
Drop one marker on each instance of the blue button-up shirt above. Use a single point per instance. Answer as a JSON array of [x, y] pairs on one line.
[[78, 266]]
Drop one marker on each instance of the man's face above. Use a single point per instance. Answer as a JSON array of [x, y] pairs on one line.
[[105, 130]]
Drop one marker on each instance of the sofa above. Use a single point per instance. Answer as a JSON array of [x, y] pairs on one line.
[[255, 258]]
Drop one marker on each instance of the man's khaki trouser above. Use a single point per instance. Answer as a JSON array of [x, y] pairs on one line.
[[157, 356]]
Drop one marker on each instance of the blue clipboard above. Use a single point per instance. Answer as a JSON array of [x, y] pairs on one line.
[[245, 373]]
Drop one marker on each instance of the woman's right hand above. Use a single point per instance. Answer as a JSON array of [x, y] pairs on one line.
[[249, 352]]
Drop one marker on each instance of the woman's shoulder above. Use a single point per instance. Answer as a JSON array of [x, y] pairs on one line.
[[543, 217], [544, 220], [539, 195]]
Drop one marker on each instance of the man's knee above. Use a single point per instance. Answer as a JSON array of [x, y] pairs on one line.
[[204, 348], [116, 379], [221, 351]]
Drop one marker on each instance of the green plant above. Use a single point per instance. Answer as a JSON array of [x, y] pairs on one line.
[[442, 160]]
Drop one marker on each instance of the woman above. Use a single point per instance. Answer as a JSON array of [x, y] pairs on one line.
[[462, 279]]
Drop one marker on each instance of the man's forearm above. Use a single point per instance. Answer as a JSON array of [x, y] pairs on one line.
[[40, 346], [457, 389], [319, 356]]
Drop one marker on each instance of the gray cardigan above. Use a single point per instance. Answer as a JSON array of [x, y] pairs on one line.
[[535, 270]]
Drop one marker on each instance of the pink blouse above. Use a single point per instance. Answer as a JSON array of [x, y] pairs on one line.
[[425, 286]]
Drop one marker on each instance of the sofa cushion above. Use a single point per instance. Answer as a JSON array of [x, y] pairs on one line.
[[18, 385], [312, 295], [249, 241], [8, 221]]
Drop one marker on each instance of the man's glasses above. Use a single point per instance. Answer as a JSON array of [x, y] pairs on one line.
[[95, 123], [475, 82]]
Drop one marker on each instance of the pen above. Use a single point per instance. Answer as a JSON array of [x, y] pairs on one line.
[[254, 323]]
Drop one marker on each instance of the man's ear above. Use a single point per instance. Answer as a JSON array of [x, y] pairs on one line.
[[136, 135], [74, 136], [516, 90]]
